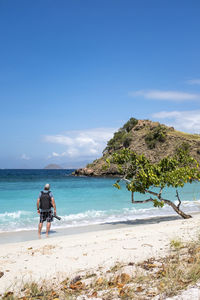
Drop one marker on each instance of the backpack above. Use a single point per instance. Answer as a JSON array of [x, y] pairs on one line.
[[45, 201]]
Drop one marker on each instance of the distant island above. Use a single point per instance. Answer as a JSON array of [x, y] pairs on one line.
[[52, 167]]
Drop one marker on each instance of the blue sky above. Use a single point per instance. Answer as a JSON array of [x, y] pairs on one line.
[[73, 72]]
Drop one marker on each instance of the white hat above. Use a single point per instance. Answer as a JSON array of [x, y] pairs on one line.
[[47, 186]]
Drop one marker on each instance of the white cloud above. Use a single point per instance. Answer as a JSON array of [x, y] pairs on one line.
[[194, 81], [182, 120], [165, 95], [54, 154], [83, 143], [59, 139], [24, 157]]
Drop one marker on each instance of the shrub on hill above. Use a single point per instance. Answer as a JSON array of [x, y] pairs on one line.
[[130, 124], [157, 134], [121, 138]]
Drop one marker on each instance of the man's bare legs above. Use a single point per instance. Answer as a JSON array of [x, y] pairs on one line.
[[39, 229], [48, 228]]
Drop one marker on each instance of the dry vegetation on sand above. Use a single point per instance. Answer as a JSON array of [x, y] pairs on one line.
[[162, 277]]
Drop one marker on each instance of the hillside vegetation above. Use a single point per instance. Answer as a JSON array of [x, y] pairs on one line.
[[152, 139]]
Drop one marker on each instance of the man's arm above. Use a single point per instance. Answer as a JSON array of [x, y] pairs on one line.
[[54, 205], [38, 205]]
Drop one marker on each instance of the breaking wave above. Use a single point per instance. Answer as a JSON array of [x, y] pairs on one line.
[[25, 220]]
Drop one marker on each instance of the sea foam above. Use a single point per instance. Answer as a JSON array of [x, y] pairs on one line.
[[24, 220]]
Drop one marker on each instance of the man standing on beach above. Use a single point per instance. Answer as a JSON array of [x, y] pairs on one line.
[[45, 202]]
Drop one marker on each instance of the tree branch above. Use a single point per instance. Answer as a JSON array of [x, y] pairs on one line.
[[170, 203], [176, 208], [152, 193], [125, 179], [142, 201], [132, 197], [179, 201], [159, 194]]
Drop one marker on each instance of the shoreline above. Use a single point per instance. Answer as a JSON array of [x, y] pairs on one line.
[[31, 235], [55, 258]]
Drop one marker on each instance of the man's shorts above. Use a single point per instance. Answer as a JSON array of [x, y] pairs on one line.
[[46, 216]]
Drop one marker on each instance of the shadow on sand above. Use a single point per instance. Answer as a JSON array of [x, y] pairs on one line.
[[50, 232], [147, 221], [22, 236]]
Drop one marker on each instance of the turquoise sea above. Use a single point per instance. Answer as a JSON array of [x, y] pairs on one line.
[[80, 200]]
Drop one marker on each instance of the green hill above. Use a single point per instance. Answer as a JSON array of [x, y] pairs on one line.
[[152, 139]]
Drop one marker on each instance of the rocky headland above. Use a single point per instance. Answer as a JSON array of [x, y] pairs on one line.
[[152, 139]]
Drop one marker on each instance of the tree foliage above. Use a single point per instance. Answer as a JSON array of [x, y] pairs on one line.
[[142, 176]]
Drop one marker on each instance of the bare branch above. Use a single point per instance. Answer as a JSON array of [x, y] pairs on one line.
[[125, 179], [176, 208], [132, 197], [140, 201], [170, 203], [159, 194], [179, 201], [152, 193], [144, 201]]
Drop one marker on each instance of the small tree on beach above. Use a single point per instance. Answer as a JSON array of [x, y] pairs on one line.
[[143, 176]]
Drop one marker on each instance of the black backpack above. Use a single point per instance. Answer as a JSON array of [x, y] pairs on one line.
[[45, 201]]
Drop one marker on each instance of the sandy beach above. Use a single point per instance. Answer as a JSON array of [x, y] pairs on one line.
[[58, 257]]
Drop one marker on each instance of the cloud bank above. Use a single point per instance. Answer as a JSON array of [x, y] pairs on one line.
[[188, 121], [83, 143], [165, 95]]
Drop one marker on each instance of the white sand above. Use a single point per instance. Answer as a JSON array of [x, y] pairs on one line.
[[56, 258]]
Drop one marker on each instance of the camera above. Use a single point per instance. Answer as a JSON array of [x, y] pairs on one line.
[[57, 217]]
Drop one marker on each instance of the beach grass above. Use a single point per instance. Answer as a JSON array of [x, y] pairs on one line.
[[165, 276]]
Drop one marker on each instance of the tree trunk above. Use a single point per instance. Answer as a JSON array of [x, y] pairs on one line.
[[168, 202], [177, 209]]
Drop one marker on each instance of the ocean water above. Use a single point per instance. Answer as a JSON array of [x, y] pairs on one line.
[[80, 200]]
